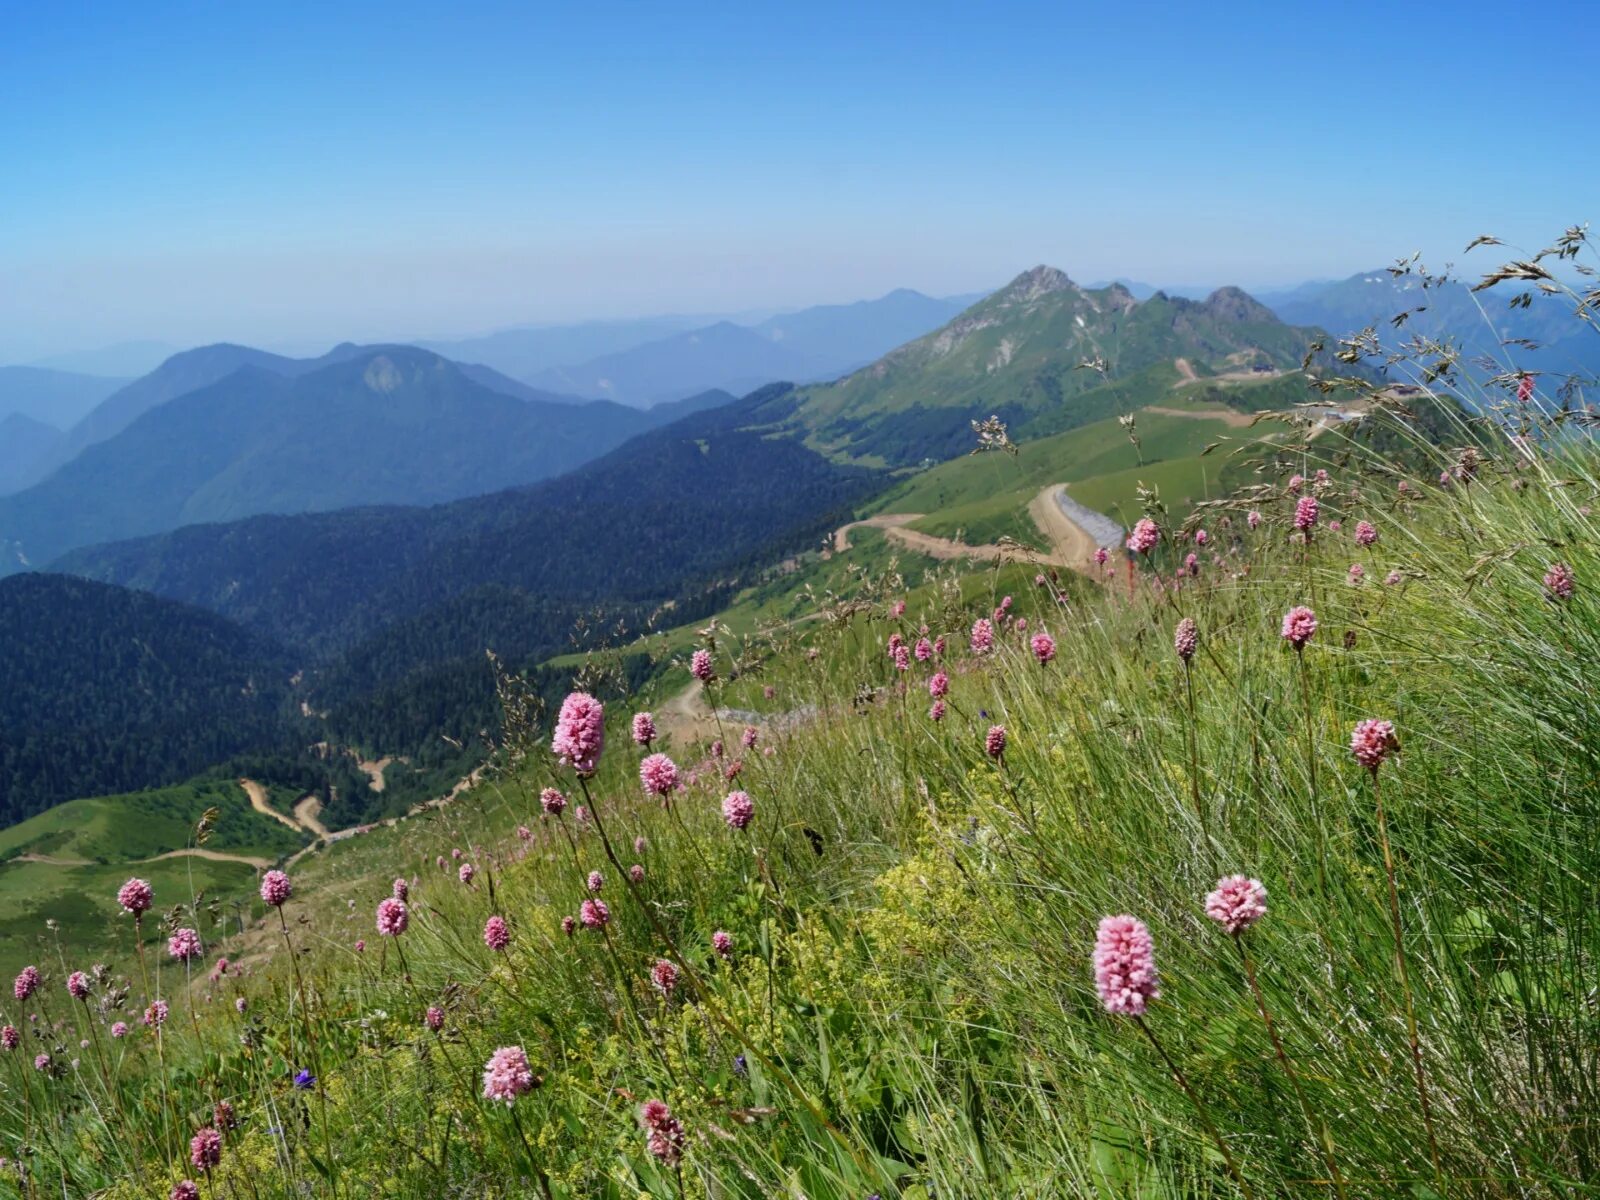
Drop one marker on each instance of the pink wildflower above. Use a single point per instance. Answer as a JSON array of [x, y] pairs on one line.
[[594, 914], [136, 896], [596, 882], [663, 1132], [240, 1005], [275, 888], [923, 650], [507, 1074], [1044, 647], [1335, 526], [1372, 742], [9, 1037], [184, 1189], [1125, 966], [665, 976], [636, 873], [936, 711], [119, 1029], [982, 635], [205, 1149], [898, 609], [155, 1016], [938, 646], [747, 739], [1392, 578], [659, 774], [466, 873], [738, 810], [1296, 482], [524, 834], [1524, 388], [1357, 573], [1200, 537], [700, 666], [939, 685], [496, 934], [1366, 533], [994, 742], [42, 1064], [1253, 518], [1101, 554], [722, 943], [1299, 624], [1305, 515], [1146, 533], [1559, 582], [223, 1116], [27, 982], [552, 801], [401, 890], [1237, 903], [580, 733], [393, 917], [434, 1018], [78, 985], [568, 925], [644, 729], [184, 945], [1185, 638]]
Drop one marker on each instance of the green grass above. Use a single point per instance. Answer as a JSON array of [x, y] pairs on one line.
[[909, 1008], [984, 497], [117, 829], [33, 895]]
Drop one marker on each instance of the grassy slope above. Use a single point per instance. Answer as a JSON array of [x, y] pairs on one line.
[[115, 834], [910, 989], [983, 497]]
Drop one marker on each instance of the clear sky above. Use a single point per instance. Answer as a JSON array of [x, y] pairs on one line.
[[281, 173]]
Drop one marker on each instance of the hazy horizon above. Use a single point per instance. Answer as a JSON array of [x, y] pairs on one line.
[[201, 176]]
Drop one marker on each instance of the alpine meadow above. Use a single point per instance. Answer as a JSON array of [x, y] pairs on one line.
[[576, 621]]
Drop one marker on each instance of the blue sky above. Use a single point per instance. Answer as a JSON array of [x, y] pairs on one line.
[[303, 174]]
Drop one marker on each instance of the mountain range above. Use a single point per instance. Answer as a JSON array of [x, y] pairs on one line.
[[815, 343], [386, 608], [1045, 355], [361, 425]]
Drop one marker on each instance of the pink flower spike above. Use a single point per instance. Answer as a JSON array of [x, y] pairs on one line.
[[738, 810], [659, 775], [580, 734], [552, 801], [496, 935], [1299, 624], [1237, 903], [1044, 648], [1146, 533], [644, 729], [1372, 742], [393, 917], [135, 896], [275, 888], [1186, 638], [700, 666], [994, 742], [1125, 966], [507, 1075]]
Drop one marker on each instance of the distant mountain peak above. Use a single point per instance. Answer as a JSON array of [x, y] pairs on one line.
[[1032, 284], [1235, 304]]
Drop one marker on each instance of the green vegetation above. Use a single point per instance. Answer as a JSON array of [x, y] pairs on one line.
[[122, 829], [908, 1006], [107, 690], [1025, 354]]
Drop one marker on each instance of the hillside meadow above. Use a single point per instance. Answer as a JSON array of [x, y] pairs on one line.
[[979, 883]]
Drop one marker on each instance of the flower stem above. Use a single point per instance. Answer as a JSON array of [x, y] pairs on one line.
[[1199, 1107]]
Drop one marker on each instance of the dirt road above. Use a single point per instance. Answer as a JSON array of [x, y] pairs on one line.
[[306, 811], [259, 802], [1071, 544], [841, 536], [1234, 420]]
